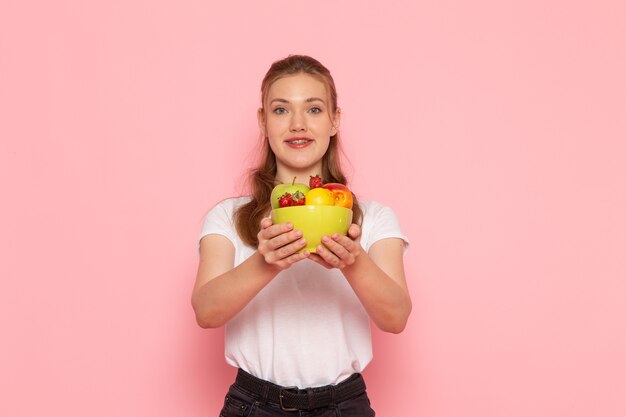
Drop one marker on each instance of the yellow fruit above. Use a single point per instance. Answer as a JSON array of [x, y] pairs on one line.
[[319, 197]]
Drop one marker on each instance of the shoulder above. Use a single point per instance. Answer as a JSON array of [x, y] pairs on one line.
[[231, 204], [373, 209], [379, 222], [226, 208], [219, 219]]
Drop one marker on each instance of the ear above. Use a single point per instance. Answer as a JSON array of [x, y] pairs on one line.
[[336, 122], [261, 120]]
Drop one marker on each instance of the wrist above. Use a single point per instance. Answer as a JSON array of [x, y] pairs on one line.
[[360, 259], [266, 270]]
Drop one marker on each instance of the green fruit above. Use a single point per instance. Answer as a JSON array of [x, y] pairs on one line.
[[292, 188]]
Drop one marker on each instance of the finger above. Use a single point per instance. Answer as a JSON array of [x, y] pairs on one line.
[[296, 257], [340, 245], [284, 239], [279, 255], [354, 231], [318, 259], [344, 241], [266, 222], [276, 230], [286, 251], [353, 247], [328, 255]]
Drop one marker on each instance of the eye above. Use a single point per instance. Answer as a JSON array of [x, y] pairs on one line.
[[279, 110], [315, 110]]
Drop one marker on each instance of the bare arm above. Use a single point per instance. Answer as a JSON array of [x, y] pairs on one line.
[[377, 277], [221, 290]]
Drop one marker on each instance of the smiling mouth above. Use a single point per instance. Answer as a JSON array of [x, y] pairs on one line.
[[298, 141]]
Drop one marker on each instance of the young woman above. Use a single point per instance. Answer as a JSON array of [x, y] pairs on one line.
[[297, 323]]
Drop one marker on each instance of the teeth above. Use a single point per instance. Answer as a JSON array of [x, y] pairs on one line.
[[298, 142]]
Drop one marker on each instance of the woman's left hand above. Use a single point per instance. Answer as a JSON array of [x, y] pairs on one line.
[[338, 251]]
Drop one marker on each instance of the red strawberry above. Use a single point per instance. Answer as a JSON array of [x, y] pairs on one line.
[[297, 198], [285, 200], [315, 181]]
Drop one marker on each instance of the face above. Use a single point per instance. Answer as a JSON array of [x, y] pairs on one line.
[[299, 122]]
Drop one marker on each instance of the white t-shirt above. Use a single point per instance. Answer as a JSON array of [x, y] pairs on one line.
[[306, 328]]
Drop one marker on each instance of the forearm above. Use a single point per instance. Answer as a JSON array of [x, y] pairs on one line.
[[221, 298], [387, 303]]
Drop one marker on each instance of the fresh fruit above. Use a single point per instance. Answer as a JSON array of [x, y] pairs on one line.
[[285, 200], [342, 196], [315, 181], [296, 193], [320, 197], [298, 198], [327, 209], [290, 200]]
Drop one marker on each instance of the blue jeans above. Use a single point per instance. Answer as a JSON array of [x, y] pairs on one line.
[[240, 403]]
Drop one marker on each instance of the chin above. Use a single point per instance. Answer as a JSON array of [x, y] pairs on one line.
[[301, 164]]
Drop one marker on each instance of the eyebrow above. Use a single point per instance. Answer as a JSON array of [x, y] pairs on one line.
[[308, 100]]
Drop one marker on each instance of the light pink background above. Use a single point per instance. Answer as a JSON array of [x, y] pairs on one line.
[[495, 130]]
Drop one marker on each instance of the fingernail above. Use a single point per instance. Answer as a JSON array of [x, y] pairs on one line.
[[298, 233], [302, 242], [325, 239], [336, 236], [289, 226]]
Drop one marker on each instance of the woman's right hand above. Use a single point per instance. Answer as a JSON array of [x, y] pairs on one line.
[[279, 244]]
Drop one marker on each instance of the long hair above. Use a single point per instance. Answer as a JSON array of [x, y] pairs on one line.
[[263, 178]]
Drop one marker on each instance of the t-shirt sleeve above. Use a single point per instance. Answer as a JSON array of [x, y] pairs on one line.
[[384, 224], [219, 221]]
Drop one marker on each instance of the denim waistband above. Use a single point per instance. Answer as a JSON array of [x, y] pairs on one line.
[[293, 398]]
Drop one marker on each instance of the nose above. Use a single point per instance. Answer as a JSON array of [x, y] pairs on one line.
[[297, 123]]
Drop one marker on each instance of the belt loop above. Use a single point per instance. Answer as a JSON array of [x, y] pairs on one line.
[[332, 395], [266, 390], [309, 397]]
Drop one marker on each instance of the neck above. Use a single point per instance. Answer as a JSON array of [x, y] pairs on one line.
[[286, 175]]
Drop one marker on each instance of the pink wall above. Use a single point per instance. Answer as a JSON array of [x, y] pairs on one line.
[[496, 131]]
